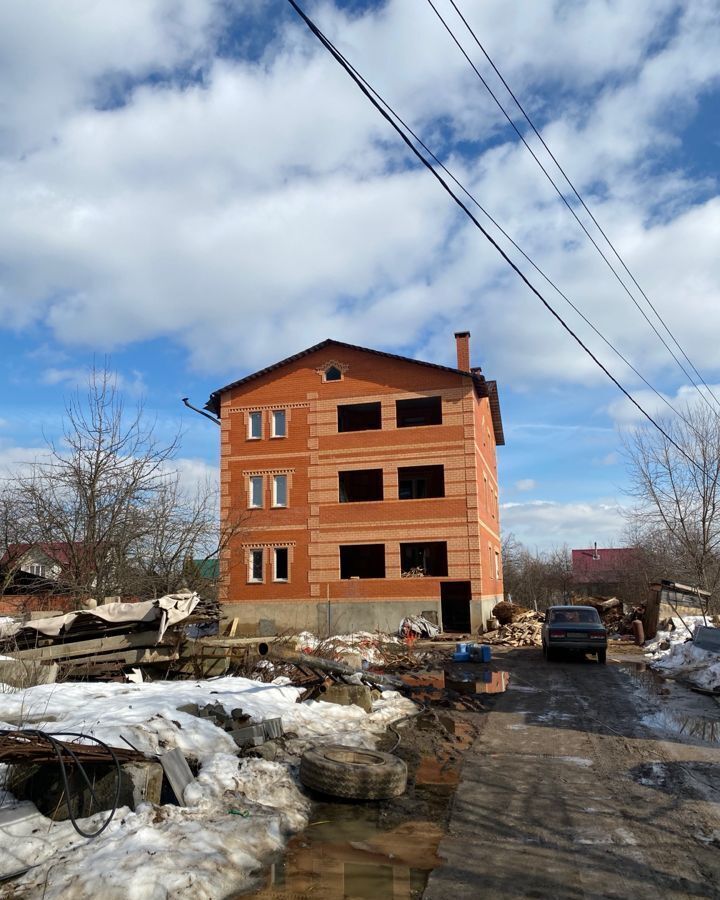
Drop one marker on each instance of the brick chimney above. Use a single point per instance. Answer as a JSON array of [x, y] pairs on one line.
[[462, 341]]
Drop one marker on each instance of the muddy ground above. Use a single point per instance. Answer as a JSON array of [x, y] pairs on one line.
[[554, 780]]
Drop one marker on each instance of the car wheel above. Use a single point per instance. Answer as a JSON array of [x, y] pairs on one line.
[[549, 654], [544, 649], [602, 656], [352, 772]]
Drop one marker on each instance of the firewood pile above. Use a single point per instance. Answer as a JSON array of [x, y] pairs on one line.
[[523, 630]]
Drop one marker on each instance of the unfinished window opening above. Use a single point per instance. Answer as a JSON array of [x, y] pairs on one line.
[[361, 486], [280, 564], [418, 482], [423, 559], [255, 565], [362, 561], [359, 417], [332, 373], [255, 426], [419, 411]]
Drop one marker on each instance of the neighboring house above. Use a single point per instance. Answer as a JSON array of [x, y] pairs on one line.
[[45, 560], [605, 572], [369, 485]]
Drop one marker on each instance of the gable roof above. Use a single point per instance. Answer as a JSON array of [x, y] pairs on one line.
[[483, 388], [604, 564]]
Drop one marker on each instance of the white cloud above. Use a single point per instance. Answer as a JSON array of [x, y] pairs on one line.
[[545, 523], [267, 206], [626, 414], [526, 484]]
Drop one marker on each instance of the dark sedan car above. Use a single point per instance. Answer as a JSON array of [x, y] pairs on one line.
[[574, 628]]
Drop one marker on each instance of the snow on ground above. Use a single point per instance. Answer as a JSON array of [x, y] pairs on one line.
[[673, 653], [236, 812]]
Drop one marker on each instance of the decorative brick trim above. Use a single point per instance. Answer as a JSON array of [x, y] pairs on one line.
[[263, 407], [255, 472], [260, 545]]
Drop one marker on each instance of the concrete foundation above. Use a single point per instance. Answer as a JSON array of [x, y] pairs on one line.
[[342, 617]]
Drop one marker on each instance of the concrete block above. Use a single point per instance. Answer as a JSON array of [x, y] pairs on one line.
[[349, 695], [248, 735], [273, 728], [267, 628], [20, 673]]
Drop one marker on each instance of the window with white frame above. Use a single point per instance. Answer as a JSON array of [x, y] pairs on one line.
[[281, 564], [280, 490], [37, 569], [256, 491], [497, 566], [255, 425], [279, 423], [255, 565]]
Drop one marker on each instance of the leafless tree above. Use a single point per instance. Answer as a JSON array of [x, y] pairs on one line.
[[675, 482], [108, 493]]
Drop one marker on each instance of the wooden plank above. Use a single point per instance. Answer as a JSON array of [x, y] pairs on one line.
[[129, 657], [88, 648], [233, 628]]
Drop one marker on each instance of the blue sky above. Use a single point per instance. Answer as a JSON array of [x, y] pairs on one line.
[[193, 190]]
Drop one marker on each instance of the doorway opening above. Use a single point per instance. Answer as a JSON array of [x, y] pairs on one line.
[[455, 599]]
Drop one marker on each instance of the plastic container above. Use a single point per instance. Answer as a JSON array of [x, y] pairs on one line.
[[462, 652], [481, 653]]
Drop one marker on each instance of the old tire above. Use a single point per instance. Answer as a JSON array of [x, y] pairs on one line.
[[353, 773]]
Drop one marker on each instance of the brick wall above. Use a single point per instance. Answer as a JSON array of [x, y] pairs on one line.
[[315, 523]]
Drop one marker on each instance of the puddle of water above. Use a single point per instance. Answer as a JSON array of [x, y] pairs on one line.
[[466, 679], [346, 855], [678, 710]]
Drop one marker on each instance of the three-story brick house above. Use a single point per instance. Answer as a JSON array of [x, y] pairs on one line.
[[369, 488]]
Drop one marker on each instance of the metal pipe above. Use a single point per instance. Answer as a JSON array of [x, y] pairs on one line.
[[186, 401], [324, 665]]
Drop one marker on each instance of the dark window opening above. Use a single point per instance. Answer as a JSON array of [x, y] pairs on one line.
[[359, 417], [419, 411], [430, 558], [416, 482], [333, 374], [360, 486], [362, 561], [281, 564]]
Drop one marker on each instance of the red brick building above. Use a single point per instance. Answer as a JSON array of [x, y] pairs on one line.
[[369, 485]]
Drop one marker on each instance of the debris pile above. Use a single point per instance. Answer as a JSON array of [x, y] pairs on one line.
[[100, 642], [523, 630]]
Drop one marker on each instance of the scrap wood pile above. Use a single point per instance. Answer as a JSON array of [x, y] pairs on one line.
[[104, 641], [519, 627], [612, 613]]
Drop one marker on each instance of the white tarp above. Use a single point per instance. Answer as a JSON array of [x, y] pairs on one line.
[[164, 611]]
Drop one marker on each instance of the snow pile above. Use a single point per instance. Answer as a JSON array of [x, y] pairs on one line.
[[236, 813], [364, 644], [664, 641], [673, 653]]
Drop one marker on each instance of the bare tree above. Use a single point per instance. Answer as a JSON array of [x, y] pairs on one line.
[[675, 481], [109, 497]]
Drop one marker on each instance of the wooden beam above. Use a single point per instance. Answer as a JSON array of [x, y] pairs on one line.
[[89, 648]]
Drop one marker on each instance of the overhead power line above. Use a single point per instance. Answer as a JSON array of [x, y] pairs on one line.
[[339, 58], [580, 199], [567, 203]]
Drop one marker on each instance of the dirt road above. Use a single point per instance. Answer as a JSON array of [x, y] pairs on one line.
[[587, 781]]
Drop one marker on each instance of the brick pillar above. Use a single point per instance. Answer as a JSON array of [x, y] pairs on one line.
[[462, 341]]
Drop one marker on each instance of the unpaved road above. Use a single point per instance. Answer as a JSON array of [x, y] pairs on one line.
[[581, 786]]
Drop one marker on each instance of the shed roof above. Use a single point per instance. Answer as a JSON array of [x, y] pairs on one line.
[[483, 387]]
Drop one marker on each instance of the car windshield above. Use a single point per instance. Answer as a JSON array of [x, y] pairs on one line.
[[574, 616]]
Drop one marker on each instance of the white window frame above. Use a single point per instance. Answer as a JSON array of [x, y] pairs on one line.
[[275, 575], [275, 503], [251, 566], [497, 565], [274, 432], [250, 435], [251, 480]]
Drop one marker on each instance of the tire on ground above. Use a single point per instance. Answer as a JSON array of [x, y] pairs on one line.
[[353, 773]]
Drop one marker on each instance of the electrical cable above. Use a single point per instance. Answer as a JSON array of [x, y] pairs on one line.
[[564, 199], [580, 199], [510, 239], [338, 57], [59, 748]]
